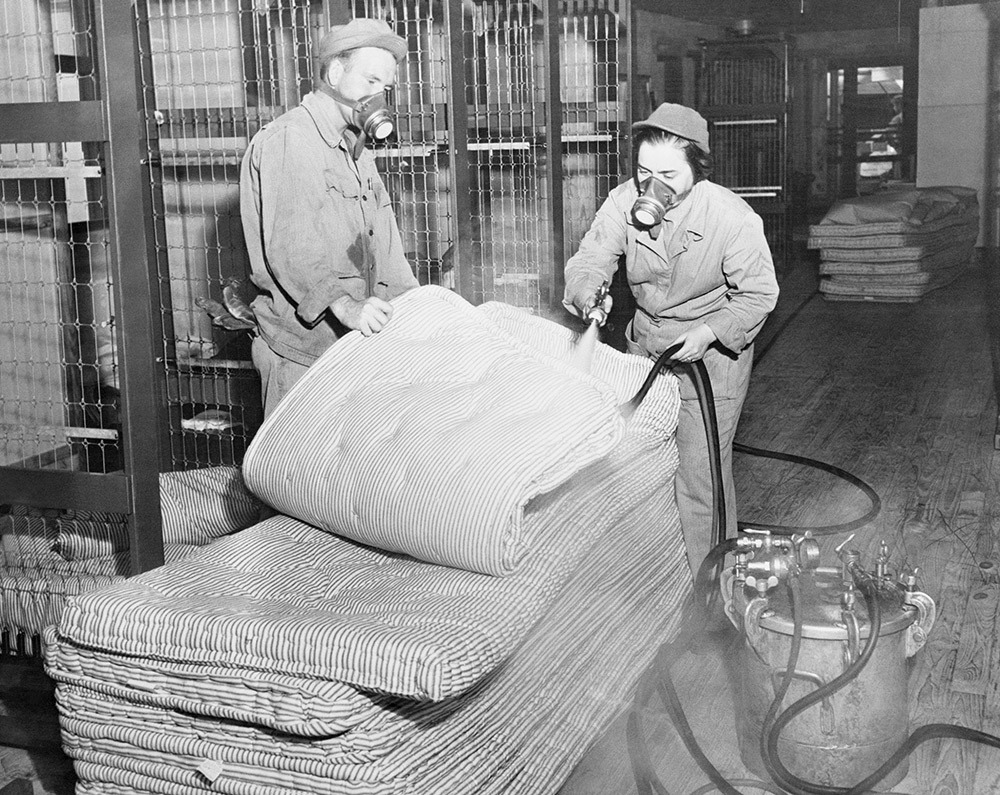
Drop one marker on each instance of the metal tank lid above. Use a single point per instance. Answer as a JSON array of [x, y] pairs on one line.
[[821, 607]]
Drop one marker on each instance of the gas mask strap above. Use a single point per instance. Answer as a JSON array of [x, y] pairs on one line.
[[359, 145]]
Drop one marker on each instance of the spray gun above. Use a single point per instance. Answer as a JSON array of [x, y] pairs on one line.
[[599, 306]]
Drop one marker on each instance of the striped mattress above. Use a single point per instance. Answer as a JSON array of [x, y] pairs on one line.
[[293, 658], [520, 729], [896, 245], [431, 437], [286, 595]]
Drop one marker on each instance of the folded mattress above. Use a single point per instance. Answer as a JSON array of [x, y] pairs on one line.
[[906, 211], [897, 245]]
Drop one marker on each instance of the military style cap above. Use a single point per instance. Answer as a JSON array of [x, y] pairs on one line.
[[679, 120], [361, 33]]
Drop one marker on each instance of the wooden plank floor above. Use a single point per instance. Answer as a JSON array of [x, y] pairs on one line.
[[902, 396]]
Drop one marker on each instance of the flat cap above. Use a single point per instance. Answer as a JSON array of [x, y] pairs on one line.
[[679, 120], [361, 33]]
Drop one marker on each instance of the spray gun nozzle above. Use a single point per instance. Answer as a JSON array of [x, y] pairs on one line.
[[599, 306]]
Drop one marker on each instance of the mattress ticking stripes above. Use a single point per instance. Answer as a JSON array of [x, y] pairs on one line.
[[286, 596], [430, 437], [520, 730], [287, 659], [48, 556]]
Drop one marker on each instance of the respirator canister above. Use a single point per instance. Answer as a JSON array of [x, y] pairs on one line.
[[373, 118], [371, 115], [655, 198]]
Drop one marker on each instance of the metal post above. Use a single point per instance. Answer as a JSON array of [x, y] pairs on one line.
[[849, 133], [552, 291], [458, 154], [135, 282]]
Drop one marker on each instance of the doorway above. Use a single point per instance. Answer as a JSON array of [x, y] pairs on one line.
[[871, 121]]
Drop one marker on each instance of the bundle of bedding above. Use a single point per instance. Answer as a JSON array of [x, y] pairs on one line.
[[475, 558], [896, 245], [47, 556]]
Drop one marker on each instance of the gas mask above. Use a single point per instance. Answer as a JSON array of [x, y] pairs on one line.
[[655, 198], [370, 115]]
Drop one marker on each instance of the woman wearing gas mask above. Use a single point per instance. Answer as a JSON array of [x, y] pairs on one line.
[[325, 251], [701, 272]]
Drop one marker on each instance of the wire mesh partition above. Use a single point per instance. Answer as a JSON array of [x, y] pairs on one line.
[[212, 72], [491, 137], [70, 498], [595, 112], [57, 360], [469, 169], [507, 147], [743, 93]]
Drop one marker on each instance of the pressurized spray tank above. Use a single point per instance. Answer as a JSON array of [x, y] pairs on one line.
[[853, 730]]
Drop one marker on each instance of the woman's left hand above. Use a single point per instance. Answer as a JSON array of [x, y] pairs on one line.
[[695, 343]]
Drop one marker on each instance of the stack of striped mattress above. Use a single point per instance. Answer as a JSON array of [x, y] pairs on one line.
[[47, 556], [474, 558], [896, 245]]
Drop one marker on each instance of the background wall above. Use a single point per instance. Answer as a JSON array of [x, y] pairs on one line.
[[953, 120]]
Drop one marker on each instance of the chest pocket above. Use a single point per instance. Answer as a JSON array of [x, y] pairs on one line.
[[341, 189], [645, 265]]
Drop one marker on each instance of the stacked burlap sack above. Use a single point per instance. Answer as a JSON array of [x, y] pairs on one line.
[[896, 245], [475, 558]]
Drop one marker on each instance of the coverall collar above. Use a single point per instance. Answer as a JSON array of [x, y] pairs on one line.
[[324, 112], [680, 226]]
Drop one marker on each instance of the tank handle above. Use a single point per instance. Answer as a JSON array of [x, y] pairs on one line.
[[917, 632]]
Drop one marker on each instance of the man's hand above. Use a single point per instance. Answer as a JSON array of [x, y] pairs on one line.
[[369, 316], [695, 343]]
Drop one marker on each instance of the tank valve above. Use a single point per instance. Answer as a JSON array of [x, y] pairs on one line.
[[882, 562], [763, 560]]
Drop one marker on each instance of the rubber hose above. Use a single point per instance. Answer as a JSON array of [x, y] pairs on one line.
[[706, 399], [779, 695], [647, 782], [706, 591], [668, 693], [843, 474], [928, 732], [769, 740], [704, 789]]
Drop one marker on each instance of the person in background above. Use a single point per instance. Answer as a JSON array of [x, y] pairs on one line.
[[894, 131], [325, 251], [700, 269]]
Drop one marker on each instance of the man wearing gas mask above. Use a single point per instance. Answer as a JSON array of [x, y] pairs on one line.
[[701, 272], [325, 251]]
